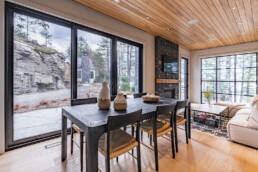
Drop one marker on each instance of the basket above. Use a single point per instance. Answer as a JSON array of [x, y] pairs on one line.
[[150, 98], [104, 104], [120, 106]]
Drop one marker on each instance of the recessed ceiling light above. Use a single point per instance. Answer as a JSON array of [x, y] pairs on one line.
[[194, 21], [117, 1], [212, 39], [148, 18]]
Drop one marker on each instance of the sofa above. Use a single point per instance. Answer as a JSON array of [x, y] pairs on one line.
[[240, 131]]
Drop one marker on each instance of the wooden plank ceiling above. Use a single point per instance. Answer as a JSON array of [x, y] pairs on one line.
[[219, 22]]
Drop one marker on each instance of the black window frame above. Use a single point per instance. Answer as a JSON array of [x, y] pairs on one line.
[[10, 8], [235, 81]]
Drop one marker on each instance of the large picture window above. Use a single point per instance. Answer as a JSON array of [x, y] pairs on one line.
[[50, 61], [230, 78], [93, 63]]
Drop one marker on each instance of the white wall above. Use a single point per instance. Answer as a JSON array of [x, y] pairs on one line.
[[197, 55], [75, 12], [2, 147]]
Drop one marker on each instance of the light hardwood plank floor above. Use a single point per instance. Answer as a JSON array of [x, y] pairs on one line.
[[204, 153]]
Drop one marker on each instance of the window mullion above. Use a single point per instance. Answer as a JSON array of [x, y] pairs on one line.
[[74, 62], [113, 70]]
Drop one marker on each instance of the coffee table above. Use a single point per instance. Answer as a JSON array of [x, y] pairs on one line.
[[215, 110]]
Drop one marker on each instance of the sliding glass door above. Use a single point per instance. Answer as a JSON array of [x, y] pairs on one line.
[[50, 61], [41, 75]]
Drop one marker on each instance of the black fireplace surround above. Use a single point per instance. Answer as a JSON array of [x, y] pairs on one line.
[[163, 48]]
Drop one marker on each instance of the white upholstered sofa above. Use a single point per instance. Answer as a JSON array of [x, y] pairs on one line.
[[239, 129]]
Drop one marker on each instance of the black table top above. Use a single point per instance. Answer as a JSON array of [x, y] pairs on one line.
[[89, 115]]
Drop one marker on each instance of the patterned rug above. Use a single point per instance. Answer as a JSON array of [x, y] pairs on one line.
[[211, 130], [208, 129]]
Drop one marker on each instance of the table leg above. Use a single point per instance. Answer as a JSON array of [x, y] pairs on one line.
[[64, 138], [92, 140]]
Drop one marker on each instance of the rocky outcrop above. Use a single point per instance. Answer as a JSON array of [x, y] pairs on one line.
[[38, 68]]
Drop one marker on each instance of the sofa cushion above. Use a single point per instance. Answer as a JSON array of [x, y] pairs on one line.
[[239, 130]]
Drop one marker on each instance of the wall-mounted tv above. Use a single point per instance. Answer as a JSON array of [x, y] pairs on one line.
[[170, 64]]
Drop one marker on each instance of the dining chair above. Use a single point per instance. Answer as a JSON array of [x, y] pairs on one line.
[[180, 118], [116, 142], [139, 95], [74, 127], [156, 128]]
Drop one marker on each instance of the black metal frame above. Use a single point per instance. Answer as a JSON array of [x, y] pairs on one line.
[[10, 8], [186, 87], [235, 80]]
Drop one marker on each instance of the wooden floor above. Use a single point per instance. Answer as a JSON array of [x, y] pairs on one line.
[[204, 153]]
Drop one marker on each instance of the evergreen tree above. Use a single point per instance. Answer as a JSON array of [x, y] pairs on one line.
[[45, 32], [19, 27]]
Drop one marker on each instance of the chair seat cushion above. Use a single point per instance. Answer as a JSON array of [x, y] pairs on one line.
[[120, 142], [180, 120], [162, 127]]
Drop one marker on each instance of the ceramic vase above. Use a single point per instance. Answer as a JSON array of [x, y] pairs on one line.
[[104, 97], [120, 102]]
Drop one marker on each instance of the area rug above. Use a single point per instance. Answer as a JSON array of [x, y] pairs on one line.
[[208, 129], [211, 130]]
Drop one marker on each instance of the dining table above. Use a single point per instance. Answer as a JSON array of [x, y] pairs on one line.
[[90, 119]]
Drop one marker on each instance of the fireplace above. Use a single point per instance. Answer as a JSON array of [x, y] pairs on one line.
[[171, 93], [166, 83], [168, 90]]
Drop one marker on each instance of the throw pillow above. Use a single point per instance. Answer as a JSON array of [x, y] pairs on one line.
[[253, 118]]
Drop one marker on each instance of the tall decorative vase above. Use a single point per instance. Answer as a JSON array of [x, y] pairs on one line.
[[104, 97]]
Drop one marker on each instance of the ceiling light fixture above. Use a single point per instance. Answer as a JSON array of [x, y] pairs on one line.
[[234, 8], [148, 18], [212, 39], [194, 21], [117, 1]]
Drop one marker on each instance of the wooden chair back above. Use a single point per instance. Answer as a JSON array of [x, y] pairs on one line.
[[182, 104], [118, 121], [165, 110]]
